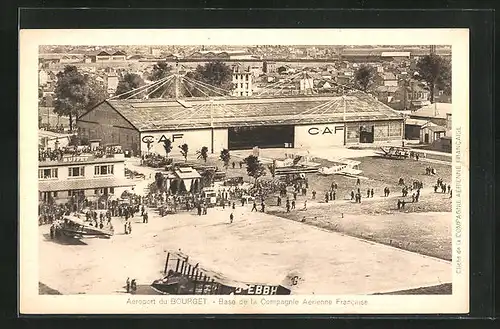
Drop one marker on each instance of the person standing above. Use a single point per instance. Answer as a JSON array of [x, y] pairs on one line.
[[295, 195], [293, 204], [326, 197], [358, 182], [352, 195], [314, 195], [254, 206], [262, 206], [234, 205], [231, 218], [287, 205], [333, 195], [305, 204], [146, 219], [371, 192], [368, 193], [128, 285], [279, 201], [133, 286]]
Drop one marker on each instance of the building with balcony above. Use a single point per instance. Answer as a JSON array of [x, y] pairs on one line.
[[82, 177]]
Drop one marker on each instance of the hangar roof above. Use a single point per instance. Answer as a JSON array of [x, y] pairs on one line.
[[162, 114]]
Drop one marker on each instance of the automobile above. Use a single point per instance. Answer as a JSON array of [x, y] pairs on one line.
[[248, 198]]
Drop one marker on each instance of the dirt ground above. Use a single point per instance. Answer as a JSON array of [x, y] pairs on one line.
[[257, 247]]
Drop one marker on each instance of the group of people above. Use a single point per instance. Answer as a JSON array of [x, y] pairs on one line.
[[131, 285], [104, 218], [430, 171], [441, 185]]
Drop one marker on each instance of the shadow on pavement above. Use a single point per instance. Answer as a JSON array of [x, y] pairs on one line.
[[64, 240]]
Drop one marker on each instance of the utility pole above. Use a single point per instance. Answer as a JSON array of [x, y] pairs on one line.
[[177, 77], [345, 110]]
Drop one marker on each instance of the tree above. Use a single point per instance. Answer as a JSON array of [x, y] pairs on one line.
[[272, 168], [76, 93], [159, 180], [160, 71], [130, 82], [364, 77], [167, 145], [215, 73], [436, 71], [255, 168], [225, 157], [184, 151], [203, 153]]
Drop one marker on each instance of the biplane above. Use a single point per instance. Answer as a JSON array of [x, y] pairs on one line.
[[394, 152], [187, 279], [74, 227], [344, 167], [297, 165]]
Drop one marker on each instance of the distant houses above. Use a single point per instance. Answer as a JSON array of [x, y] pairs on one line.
[[104, 56]]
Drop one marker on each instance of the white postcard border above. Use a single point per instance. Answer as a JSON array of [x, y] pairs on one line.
[[32, 303]]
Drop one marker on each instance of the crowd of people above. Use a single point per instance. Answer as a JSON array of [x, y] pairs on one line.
[[56, 154]]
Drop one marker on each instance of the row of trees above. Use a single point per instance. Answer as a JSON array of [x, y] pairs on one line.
[[215, 73], [432, 69]]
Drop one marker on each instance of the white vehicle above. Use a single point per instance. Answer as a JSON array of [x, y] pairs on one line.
[[210, 195]]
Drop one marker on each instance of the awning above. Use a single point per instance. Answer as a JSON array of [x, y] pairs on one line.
[[82, 184]]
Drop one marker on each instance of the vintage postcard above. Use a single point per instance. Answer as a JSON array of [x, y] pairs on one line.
[[233, 171]]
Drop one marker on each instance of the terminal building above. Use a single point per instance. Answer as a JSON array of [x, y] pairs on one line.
[[141, 126], [82, 177]]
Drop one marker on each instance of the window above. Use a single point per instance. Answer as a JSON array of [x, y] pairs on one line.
[[103, 170], [47, 173], [76, 171], [55, 194], [96, 191], [112, 190]]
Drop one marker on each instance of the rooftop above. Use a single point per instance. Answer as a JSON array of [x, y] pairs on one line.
[[436, 110], [199, 113]]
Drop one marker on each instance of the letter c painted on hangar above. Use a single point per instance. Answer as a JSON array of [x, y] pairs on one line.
[[316, 131], [147, 139]]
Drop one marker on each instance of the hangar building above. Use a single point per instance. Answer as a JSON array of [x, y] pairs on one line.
[[306, 122]]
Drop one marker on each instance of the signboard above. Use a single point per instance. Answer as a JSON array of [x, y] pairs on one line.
[[75, 159], [319, 135]]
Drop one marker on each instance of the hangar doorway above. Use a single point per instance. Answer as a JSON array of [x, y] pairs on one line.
[[366, 134], [242, 138]]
